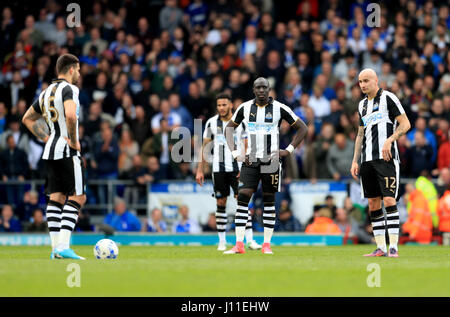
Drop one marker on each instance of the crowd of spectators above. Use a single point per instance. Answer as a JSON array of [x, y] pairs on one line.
[[150, 67]]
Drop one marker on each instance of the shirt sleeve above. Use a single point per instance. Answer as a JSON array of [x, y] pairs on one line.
[[243, 131], [361, 122], [37, 106], [207, 134], [238, 116], [67, 93], [288, 115], [394, 106]]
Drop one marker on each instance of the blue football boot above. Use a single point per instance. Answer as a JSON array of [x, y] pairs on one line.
[[68, 254]]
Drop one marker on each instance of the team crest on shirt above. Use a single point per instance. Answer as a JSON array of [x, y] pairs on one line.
[[375, 107], [269, 116]]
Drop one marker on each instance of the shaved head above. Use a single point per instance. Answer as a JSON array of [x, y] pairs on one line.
[[368, 72], [368, 82], [261, 80]]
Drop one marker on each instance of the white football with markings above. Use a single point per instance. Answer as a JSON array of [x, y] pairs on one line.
[[106, 249]]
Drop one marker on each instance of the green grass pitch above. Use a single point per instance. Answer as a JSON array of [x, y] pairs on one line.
[[203, 271]]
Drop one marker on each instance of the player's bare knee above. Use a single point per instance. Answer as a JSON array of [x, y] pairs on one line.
[[374, 203], [80, 199], [58, 197], [246, 191], [389, 201], [244, 198], [221, 201]]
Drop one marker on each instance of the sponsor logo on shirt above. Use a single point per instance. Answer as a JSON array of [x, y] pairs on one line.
[[220, 139], [265, 127], [372, 118]]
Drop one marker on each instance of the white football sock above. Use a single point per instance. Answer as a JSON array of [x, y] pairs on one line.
[[379, 228], [249, 235], [222, 236], [53, 216], [240, 234], [393, 225], [64, 240], [68, 222]]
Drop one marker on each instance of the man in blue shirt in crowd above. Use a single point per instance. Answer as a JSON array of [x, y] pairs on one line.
[[156, 223], [8, 223], [185, 224], [121, 219], [421, 125]]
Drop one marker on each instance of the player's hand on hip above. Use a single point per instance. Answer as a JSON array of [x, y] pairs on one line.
[[283, 153], [75, 146], [238, 156], [354, 170], [386, 150], [200, 178]]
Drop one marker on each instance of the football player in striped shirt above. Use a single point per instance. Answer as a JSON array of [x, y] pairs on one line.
[[59, 106], [262, 117], [225, 167], [382, 122]]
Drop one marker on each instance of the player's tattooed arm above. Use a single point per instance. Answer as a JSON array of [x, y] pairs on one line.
[[39, 130], [358, 144], [72, 129], [37, 127], [403, 126], [354, 170]]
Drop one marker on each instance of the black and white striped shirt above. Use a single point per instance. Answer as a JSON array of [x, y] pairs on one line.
[[50, 105], [262, 124], [377, 116], [223, 160]]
